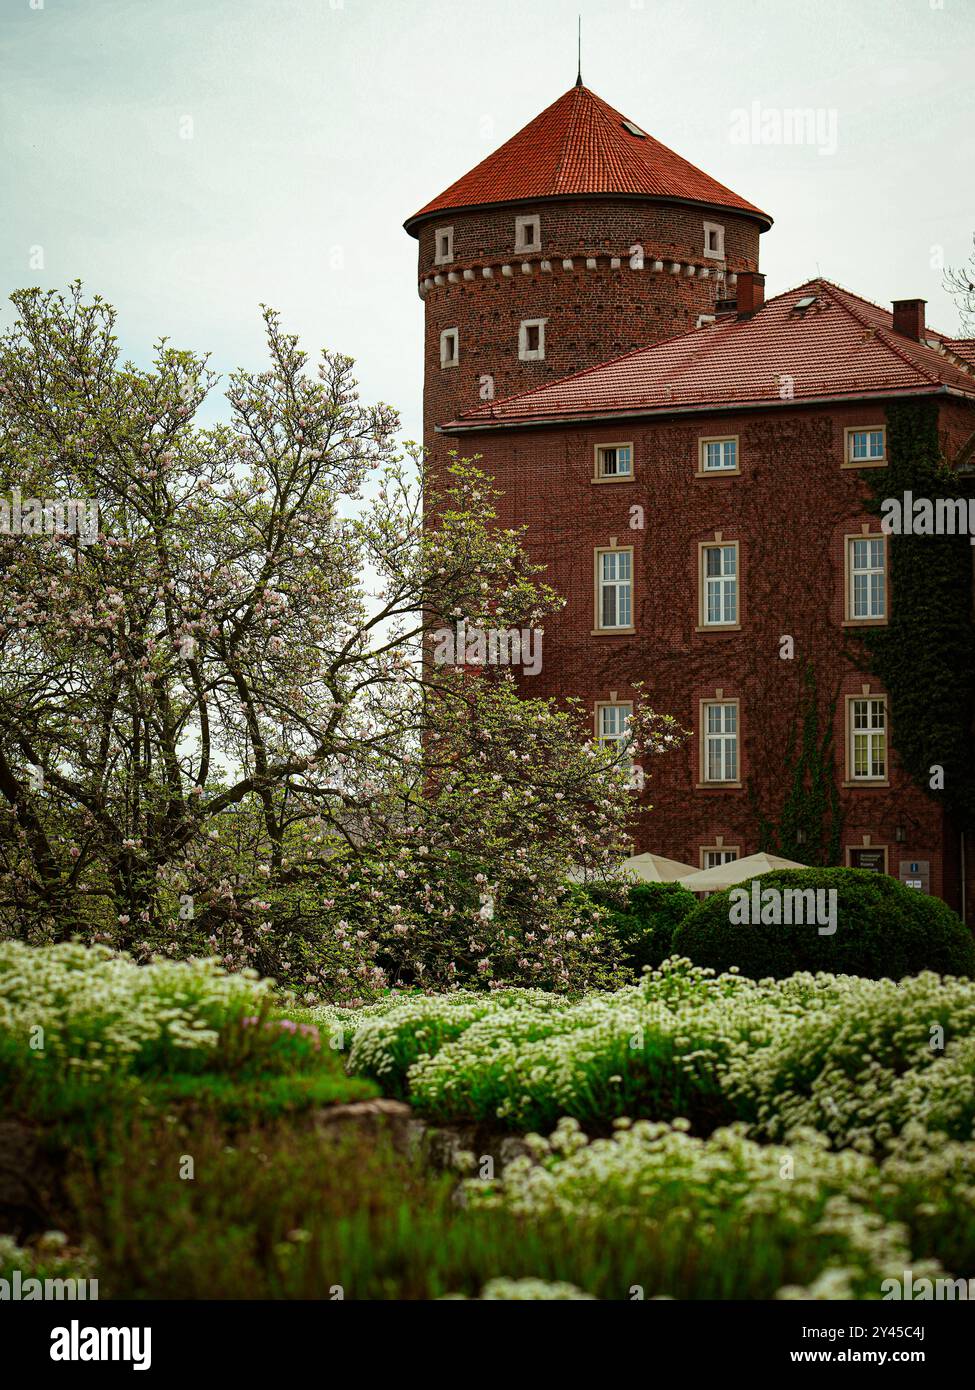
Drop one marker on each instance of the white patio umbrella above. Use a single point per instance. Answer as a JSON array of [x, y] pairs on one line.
[[654, 868], [646, 868], [736, 871]]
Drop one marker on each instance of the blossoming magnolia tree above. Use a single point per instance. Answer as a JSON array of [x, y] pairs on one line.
[[217, 728]]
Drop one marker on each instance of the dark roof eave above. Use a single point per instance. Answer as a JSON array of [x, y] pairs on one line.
[[696, 408], [757, 215]]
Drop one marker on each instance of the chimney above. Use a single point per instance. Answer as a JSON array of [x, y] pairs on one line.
[[909, 318], [751, 293]]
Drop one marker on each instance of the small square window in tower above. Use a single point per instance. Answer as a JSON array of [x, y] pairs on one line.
[[531, 340], [714, 241], [528, 233], [444, 245], [450, 347]]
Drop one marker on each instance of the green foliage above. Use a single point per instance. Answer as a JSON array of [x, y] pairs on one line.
[[855, 1059], [286, 1212], [640, 917], [83, 1029], [882, 929], [924, 656]]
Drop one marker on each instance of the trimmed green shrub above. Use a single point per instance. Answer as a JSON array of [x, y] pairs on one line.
[[642, 917], [883, 931]]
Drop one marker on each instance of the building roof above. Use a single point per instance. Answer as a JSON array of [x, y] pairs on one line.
[[961, 347], [580, 145], [838, 345]]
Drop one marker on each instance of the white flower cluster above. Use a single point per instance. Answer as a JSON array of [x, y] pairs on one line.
[[529, 1290], [696, 1204], [854, 1059], [96, 1012]]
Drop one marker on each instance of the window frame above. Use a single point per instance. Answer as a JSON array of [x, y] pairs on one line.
[[598, 629], [704, 705], [849, 461], [718, 254], [453, 361], [717, 543], [852, 779], [733, 850], [850, 618], [598, 476], [702, 453], [522, 244], [446, 257], [598, 708], [525, 353]]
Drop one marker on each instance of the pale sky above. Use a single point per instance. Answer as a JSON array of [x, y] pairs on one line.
[[317, 126]]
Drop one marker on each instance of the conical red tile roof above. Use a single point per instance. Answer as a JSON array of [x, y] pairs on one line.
[[581, 145]]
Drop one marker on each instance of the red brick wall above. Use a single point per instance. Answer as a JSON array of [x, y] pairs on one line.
[[790, 509], [593, 314]]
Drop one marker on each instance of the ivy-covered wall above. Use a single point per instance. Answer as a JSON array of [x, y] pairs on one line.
[[810, 825], [925, 655]]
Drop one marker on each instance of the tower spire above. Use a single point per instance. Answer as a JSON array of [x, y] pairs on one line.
[[579, 74]]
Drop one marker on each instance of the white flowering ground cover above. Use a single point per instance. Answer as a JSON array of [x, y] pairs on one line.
[[701, 1137], [78, 1023], [853, 1059]]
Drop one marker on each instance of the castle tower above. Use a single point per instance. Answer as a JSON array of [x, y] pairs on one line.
[[580, 238]]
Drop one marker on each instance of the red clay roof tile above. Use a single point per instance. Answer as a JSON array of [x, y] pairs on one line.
[[580, 145], [841, 345]]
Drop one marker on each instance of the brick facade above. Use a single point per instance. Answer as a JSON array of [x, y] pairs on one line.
[[791, 507], [594, 311]]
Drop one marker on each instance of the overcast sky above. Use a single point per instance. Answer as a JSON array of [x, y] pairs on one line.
[[189, 159]]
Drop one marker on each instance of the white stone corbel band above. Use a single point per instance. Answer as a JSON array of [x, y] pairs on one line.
[[688, 269]]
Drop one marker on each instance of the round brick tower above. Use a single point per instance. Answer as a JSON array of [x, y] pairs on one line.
[[579, 239]]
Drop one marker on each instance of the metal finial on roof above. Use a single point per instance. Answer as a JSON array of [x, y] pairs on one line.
[[579, 75]]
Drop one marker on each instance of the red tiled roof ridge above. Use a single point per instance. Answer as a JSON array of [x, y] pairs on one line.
[[891, 340]]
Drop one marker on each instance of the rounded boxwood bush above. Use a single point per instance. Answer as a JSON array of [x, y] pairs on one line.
[[642, 919], [883, 930]]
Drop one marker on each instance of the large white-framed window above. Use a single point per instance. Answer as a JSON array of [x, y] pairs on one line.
[[720, 760], [718, 454], [865, 447], [450, 347], [531, 340], [528, 232], [614, 463], [867, 738], [866, 579], [714, 241], [719, 584], [614, 589], [443, 245]]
